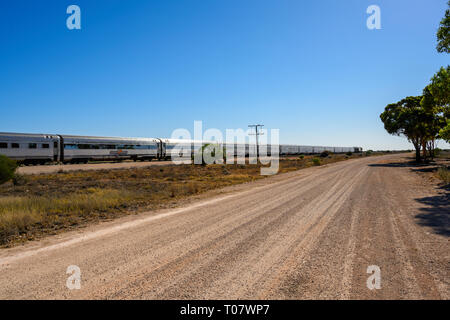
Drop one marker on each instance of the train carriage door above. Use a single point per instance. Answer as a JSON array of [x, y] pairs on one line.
[[61, 149], [55, 150], [163, 150], [55, 147]]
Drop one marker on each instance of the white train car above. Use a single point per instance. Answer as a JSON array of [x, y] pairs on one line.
[[181, 148], [30, 148], [83, 148], [41, 148]]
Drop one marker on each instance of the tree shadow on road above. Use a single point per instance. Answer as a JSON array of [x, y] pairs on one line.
[[414, 166], [401, 163], [436, 214]]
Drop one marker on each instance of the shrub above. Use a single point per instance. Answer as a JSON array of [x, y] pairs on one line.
[[301, 156], [444, 174], [437, 152], [225, 171], [316, 161], [7, 169], [19, 179], [210, 150], [325, 154], [369, 152], [349, 153]]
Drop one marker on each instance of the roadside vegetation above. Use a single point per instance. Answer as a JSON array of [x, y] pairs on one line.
[[442, 166], [36, 205], [444, 175], [7, 169], [425, 119]]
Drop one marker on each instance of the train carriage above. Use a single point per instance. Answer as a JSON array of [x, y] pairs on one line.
[[83, 149], [41, 148], [30, 148]]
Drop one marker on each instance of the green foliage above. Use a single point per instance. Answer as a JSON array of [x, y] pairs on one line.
[[7, 169], [435, 114], [325, 154], [316, 161], [445, 132], [368, 152], [409, 118], [440, 89], [443, 34], [302, 156], [349, 153], [212, 150]]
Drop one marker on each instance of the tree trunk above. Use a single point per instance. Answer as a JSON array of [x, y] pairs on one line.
[[432, 147], [418, 155], [417, 147], [424, 149]]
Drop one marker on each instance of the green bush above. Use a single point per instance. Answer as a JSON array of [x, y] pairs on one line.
[[301, 156], [7, 169], [316, 161], [325, 154], [349, 153], [211, 149]]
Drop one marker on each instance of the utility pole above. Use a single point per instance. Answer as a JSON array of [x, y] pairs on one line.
[[257, 133]]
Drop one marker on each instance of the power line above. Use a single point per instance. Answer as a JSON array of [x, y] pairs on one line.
[[257, 134]]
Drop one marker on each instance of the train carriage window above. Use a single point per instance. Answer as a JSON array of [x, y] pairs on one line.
[[55, 144], [146, 147], [125, 146], [15, 145], [3, 145], [70, 146], [106, 146], [32, 145], [85, 146], [45, 146]]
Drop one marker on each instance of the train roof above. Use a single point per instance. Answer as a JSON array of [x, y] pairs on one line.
[[107, 139], [30, 135], [78, 138]]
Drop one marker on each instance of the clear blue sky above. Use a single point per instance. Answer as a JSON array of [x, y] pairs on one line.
[[144, 68]]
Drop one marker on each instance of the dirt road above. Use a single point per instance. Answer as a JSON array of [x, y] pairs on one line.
[[307, 234]]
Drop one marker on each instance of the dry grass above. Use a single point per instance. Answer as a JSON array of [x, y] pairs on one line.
[[46, 204], [444, 175]]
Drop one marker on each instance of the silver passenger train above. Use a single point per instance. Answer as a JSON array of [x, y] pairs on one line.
[[42, 148]]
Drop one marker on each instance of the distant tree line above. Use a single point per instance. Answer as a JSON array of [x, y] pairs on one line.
[[425, 119]]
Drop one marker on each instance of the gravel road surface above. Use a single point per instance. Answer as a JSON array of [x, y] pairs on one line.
[[309, 234]]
